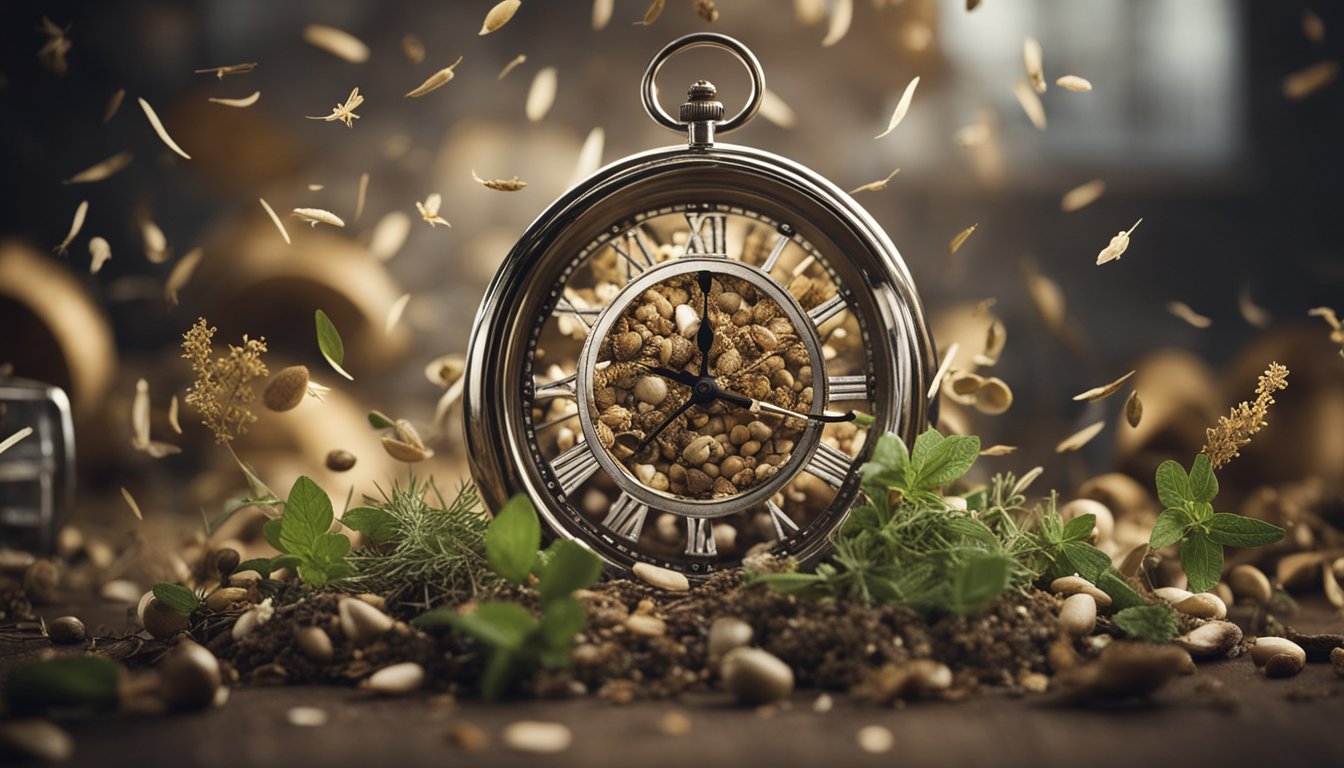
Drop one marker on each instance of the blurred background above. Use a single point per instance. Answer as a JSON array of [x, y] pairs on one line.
[[1195, 124]]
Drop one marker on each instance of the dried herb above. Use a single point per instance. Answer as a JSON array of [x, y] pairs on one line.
[[1234, 431], [1152, 623], [223, 393]]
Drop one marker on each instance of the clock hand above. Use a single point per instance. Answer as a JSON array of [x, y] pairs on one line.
[[756, 406], [671, 417], [681, 377], [704, 337]]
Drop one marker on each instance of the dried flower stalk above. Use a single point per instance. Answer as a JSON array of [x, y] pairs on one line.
[[1336, 328], [1234, 431], [223, 392]]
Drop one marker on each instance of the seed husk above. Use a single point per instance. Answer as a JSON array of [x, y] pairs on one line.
[[1283, 665], [1266, 648], [434, 81], [994, 397], [1080, 438], [337, 42], [1118, 245], [1304, 82], [157, 124], [286, 388], [902, 107], [1082, 195], [662, 578], [246, 101], [1133, 409], [955, 245], [1333, 592], [514, 62], [500, 185], [1032, 61], [541, 94], [99, 171], [1077, 585], [1031, 103], [156, 243], [76, 224], [1202, 606], [499, 15], [280, 225], [315, 216], [1074, 83], [181, 274], [1184, 312], [875, 186], [537, 737], [842, 15], [1214, 638], [315, 644], [402, 451], [651, 15], [1105, 390], [113, 105]]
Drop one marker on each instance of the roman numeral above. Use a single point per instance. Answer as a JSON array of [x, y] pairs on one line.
[[773, 258], [553, 389], [847, 388], [639, 263], [700, 538], [626, 517], [707, 234], [827, 309], [780, 520], [829, 464], [574, 466]]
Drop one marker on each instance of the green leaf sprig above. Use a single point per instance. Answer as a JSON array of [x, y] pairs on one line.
[[305, 540]]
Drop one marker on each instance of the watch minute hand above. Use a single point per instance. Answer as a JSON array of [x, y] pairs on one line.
[[704, 336]]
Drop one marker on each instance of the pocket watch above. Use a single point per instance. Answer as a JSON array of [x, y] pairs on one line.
[[684, 357]]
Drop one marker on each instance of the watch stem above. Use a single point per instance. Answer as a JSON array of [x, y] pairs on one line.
[[701, 111]]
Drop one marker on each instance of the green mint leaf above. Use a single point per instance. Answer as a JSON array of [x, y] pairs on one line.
[[377, 525], [338, 571], [312, 574], [262, 565], [380, 420], [560, 622], [177, 597], [889, 466], [1173, 485], [1081, 558], [1202, 560], [329, 339], [569, 566], [329, 549], [978, 581], [1169, 528], [271, 530], [938, 460], [1154, 623], [285, 561], [1080, 528], [74, 681], [512, 540], [1203, 485], [1122, 595], [497, 624], [1237, 531], [308, 515], [1201, 511]]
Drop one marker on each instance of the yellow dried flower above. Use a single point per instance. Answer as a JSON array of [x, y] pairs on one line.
[[223, 393], [1234, 431]]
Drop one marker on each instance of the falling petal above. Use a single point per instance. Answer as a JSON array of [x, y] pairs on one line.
[[1082, 196], [75, 225]]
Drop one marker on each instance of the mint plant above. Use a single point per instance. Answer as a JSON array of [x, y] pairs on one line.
[[1189, 518], [1154, 623], [177, 597], [303, 536]]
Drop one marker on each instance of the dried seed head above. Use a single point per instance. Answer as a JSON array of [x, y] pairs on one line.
[[500, 185], [499, 15], [286, 388]]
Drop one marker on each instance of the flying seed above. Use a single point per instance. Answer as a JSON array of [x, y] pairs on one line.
[[1047, 296], [500, 185], [315, 216], [181, 274], [602, 14], [429, 210], [130, 501], [1337, 330], [344, 113], [337, 42], [590, 156], [1312, 27], [973, 135], [651, 15], [99, 252], [1026, 480], [1031, 103], [1105, 390], [231, 69], [52, 53], [75, 225], [1184, 312], [435, 81], [316, 187], [875, 186], [140, 415], [156, 244], [1304, 82], [107, 168], [955, 245], [159, 129], [280, 225], [359, 196], [113, 105], [1074, 83], [1082, 196], [9, 442], [1031, 59], [243, 102], [413, 49], [902, 107], [499, 16], [1080, 438], [995, 337], [937, 380], [395, 311], [514, 62], [842, 15], [541, 95], [1118, 245], [172, 416], [776, 111], [389, 234], [1133, 409], [998, 450], [1253, 313]]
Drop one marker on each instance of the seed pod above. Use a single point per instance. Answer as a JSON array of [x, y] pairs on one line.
[[286, 388]]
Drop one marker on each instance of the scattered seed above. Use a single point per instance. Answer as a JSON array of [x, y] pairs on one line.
[[537, 737], [998, 450], [541, 95], [403, 451], [1251, 312], [1082, 196], [875, 186], [1031, 58], [955, 245], [9, 442], [130, 501], [243, 102], [66, 630], [1031, 103], [674, 724], [1080, 438], [230, 69], [181, 274], [1078, 615], [1116, 248], [397, 679], [1105, 390], [590, 155], [1304, 82], [1047, 296], [172, 415], [344, 113], [99, 171], [1312, 27], [154, 121], [1134, 409], [842, 15], [389, 234], [394, 312], [756, 677], [973, 135], [429, 210], [306, 717], [651, 15], [774, 109], [75, 225], [1202, 606], [995, 339], [705, 10], [875, 739], [662, 578], [113, 105], [1184, 312], [513, 63], [902, 107], [1333, 592], [359, 196], [1214, 638], [280, 225], [1074, 83], [315, 216], [500, 185], [602, 14], [809, 12], [412, 49], [435, 81], [99, 251], [156, 244], [499, 16], [337, 42]]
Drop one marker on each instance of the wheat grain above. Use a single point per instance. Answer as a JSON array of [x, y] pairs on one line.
[[156, 244], [360, 195]]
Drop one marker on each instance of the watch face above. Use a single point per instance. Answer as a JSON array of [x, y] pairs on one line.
[[686, 392]]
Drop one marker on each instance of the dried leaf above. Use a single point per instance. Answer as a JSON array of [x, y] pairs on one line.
[[280, 225], [344, 113], [499, 16], [154, 121], [429, 210], [156, 244], [109, 167], [99, 252], [995, 338], [1118, 245], [130, 501], [1312, 27], [776, 111], [359, 196], [1253, 313], [113, 105], [937, 381], [842, 15], [395, 311], [412, 49], [315, 216], [590, 156], [181, 274], [172, 416], [902, 107], [76, 224], [1184, 312], [1031, 103], [1080, 438], [998, 450], [875, 186], [500, 185], [1133, 409], [9, 442], [1105, 390], [1074, 83], [955, 245], [230, 69], [651, 15], [435, 81], [1082, 196], [243, 102], [337, 42], [602, 14], [514, 62], [1031, 58], [1304, 82], [541, 95], [389, 234]]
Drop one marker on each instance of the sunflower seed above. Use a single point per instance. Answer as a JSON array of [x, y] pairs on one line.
[[76, 224], [1097, 393], [172, 416], [1118, 245], [1184, 312], [1031, 58], [601, 14], [1253, 313], [515, 61], [1074, 83], [113, 105], [651, 15], [499, 16], [243, 102], [315, 216], [776, 111], [1031, 103], [998, 450], [937, 381], [1304, 82], [1080, 438], [1082, 195], [389, 234], [955, 245], [337, 42], [435, 81], [590, 156], [412, 49], [154, 121], [542, 94], [280, 225], [1312, 27], [130, 501], [395, 311], [875, 186], [156, 245], [500, 185], [230, 69], [107, 168], [902, 107], [842, 14], [429, 210], [1133, 409], [99, 251], [359, 196]]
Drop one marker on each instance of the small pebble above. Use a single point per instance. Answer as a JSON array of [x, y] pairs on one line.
[[1266, 648], [306, 717], [725, 634], [662, 578], [340, 461], [1214, 638], [1078, 615], [42, 739], [651, 389], [1283, 665], [537, 737], [756, 677], [1250, 584], [316, 645], [189, 677], [875, 739], [397, 679], [645, 625], [674, 724], [66, 630]]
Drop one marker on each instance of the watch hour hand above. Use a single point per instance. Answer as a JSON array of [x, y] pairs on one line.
[[704, 337]]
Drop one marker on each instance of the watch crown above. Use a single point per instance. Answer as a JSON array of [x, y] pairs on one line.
[[701, 104]]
